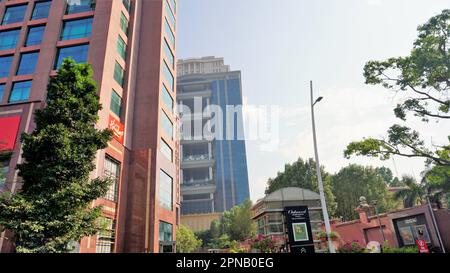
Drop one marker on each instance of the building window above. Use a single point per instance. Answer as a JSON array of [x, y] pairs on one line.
[[77, 53], [116, 103], [41, 10], [169, 33], [79, 6], [77, 29], [167, 98], [34, 36], [166, 150], [174, 5], [28, 63], [124, 23], [118, 73], [126, 4], [169, 54], [166, 124], [165, 232], [2, 91], [4, 169], [20, 91], [169, 13], [8, 39], [105, 237], [14, 14], [5, 64], [168, 75], [112, 171], [165, 190], [121, 47]]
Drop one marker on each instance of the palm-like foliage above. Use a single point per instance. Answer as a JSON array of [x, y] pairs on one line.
[[413, 195]]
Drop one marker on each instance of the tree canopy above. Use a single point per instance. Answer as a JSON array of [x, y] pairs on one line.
[[424, 77], [303, 174], [53, 208], [187, 241], [354, 181]]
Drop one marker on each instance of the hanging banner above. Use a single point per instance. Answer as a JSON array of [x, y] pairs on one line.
[[299, 229], [9, 127], [117, 128]]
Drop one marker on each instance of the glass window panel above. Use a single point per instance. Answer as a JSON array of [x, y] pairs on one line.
[[126, 4], [124, 23], [173, 4], [165, 190], [41, 10], [170, 15], [169, 33], [14, 14], [4, 164], [79, 6], [166, 124], [169, 54], [8, 39], [2, 91], [166, 150], [121, 47], [28, 63], [168, 75], [35, 35], [118, 73], [167, 98], [77, 29], [106, 236], [5, 65], [20, 91], [112, 171], [165, 232], [116, 103], [78, 53]]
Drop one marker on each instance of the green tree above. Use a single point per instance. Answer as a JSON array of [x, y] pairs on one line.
[[187, 241], [237, 222], [413, 195], [52, 210], [303, 174], [424, 77], [388, 177], [354, 181]]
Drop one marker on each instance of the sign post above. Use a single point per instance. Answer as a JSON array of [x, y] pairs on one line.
[[299, 229]]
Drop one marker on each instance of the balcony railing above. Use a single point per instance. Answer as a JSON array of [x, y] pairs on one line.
[[196, 157], [197, 183]]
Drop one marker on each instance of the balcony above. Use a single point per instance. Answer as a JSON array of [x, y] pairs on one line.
[[198, 186], [196, 161]]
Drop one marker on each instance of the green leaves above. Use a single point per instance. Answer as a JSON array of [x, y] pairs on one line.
[[52, 210], [187, 241]]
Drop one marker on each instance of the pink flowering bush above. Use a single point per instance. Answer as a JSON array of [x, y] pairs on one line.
[[265, 244]]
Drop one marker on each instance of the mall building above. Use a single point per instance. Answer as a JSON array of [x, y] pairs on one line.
[[130, 45]]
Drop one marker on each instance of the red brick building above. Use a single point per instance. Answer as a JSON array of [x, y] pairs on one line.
[[131, 47], [401, 228]]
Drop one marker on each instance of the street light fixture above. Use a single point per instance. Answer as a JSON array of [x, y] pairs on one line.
[[319, 176]]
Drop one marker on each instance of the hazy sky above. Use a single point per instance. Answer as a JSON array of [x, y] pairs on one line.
[[279, 45]]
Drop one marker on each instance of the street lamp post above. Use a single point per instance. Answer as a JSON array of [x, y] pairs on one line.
[[319, 176], [374, 204]]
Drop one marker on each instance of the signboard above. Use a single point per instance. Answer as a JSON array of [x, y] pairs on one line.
[[117, 128], [299, 229], [9, 128], [422, 245]]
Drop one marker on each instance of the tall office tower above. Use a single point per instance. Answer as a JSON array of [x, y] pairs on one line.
[[131, 47], [213, 170]]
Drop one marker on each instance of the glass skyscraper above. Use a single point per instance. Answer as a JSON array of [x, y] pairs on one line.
[[213, 169]]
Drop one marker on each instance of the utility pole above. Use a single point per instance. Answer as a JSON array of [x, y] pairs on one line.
[[319, 176]]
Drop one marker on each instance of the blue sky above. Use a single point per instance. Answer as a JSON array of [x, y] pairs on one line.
[[279, 45]]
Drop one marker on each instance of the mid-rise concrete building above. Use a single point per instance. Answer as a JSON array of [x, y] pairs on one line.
[[131, 47]]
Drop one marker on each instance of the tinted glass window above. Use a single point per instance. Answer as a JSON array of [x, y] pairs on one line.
[[14, 14], [80, 6], [8, 39], [35, 35], [20, 91], [77, 29], [27, 63], [41, 10], [5, 65], [78, 53]]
